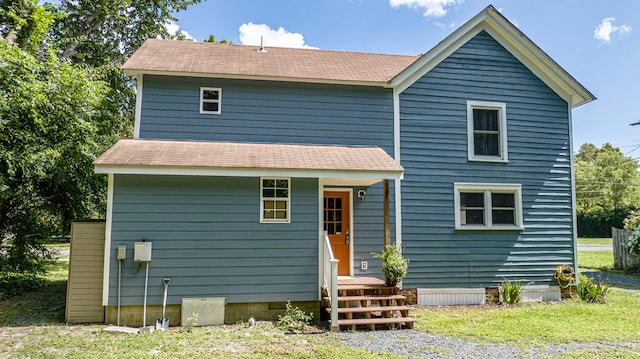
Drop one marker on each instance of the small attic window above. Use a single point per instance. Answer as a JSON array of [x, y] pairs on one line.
[[210, 100]]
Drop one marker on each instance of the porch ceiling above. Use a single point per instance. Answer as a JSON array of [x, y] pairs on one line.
[[363, 164]]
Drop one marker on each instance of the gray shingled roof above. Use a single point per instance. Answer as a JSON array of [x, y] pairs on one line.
[[225, 60], [238, 156]]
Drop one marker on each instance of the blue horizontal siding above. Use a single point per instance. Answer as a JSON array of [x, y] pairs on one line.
[[207, 238], [434, 154], [266, 111]]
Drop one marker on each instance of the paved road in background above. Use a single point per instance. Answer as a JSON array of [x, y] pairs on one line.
[[594, 247]]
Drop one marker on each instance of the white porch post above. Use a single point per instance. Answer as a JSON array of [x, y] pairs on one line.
[[334, 296], [385, 199]]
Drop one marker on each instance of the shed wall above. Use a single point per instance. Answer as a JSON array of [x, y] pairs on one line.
[[84, 287]]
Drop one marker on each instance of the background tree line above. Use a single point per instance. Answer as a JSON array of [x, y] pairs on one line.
[[63, 101], [607, 189]]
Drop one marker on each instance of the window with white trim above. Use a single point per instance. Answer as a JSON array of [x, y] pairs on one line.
[[210, 100], [274, 200], [487, 131], [488, 206]]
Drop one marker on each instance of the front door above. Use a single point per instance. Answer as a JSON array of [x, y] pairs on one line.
[[336, 223]]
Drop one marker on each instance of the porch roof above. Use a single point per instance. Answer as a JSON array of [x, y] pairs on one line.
[[359, 165]]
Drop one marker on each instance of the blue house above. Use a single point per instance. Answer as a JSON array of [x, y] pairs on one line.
[[250, 167]]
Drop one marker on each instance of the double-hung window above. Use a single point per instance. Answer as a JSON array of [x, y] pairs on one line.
[[487, 131], [274, 200], [210, 100], [488, 206]]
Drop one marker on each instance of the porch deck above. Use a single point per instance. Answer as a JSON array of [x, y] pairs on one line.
[[366, 281]]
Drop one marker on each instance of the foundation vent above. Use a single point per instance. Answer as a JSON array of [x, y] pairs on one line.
[[451, 296]]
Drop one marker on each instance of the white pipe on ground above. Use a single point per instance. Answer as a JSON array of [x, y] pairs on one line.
[[119, 280], [144, 308]]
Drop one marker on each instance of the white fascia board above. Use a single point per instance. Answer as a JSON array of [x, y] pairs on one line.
[[107, 242], [538, 62], [138, 112], [248, 172], [258, 78], [396, 155], [437, 54], [514, 41]]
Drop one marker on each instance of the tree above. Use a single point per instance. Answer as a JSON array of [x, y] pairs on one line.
[[48, 141], [212, 38], [108, 31], [26, 24], [607, 187], [606, 180], [63, 101]]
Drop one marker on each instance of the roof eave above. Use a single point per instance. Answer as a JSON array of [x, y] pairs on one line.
[[375, 175], [510, 37], [137, 72]]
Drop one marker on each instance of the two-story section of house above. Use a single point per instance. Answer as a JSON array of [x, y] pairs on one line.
[[248, 162]]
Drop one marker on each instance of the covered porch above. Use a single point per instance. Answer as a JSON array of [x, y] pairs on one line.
[[240, 175]]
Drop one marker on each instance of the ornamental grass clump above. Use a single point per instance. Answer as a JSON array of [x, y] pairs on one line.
[[510, 291], [590, 291]]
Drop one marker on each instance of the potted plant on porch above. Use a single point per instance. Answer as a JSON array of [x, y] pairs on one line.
[[394, 265]]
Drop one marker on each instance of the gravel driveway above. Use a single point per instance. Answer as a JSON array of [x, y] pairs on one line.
[[415, 344]]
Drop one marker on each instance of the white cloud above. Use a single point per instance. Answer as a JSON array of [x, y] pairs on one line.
[[606, 28], [173, 29], [452, 25], [251, 33], [432, 8]]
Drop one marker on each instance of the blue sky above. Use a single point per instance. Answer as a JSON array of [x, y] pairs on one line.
[[597, 41]]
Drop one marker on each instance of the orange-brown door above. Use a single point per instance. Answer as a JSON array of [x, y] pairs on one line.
[[336, 223]]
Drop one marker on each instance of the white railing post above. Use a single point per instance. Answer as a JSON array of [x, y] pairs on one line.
[[334, 295], [330, 269]]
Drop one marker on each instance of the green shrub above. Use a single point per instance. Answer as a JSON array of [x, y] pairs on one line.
[[632, 221], [590, 291], [294, 319], [633, 242], [394, 265], [510, 291], [13, 284]]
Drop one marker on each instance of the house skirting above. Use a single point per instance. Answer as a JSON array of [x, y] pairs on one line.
[[478, 296], [451, 296], [540, 293], [131, 315]]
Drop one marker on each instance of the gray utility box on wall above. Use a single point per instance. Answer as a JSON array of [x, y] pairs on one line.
[[142, 252], [208, 311]]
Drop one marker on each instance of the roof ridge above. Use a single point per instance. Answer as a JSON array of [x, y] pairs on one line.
[[251, 143], [202, 43]]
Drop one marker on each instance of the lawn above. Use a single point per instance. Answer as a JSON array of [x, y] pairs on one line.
[[32, 326], [595, 260], [539, 323], [583, 240]]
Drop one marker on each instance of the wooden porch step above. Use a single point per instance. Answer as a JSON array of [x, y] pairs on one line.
[[373, 321], [363, 286], [350, 298], [370, 309]]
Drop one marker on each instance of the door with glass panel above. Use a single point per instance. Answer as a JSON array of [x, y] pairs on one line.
[[336, 223]]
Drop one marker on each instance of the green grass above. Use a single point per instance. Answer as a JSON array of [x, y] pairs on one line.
[[236, 341], [32, 326], [599, 260], [595, 241], [538, 324]]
